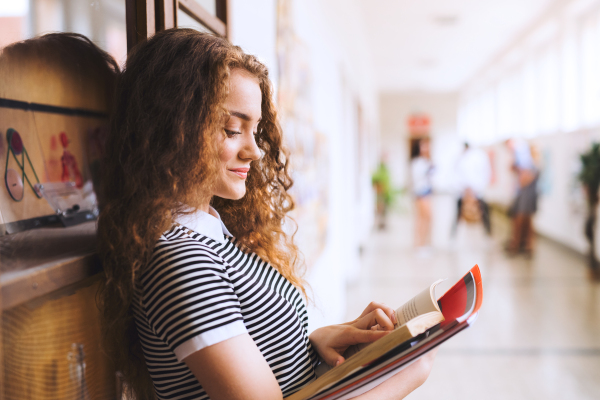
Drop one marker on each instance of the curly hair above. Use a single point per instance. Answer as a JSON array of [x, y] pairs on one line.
[[162, 159]]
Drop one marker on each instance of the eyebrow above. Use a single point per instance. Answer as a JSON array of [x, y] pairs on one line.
[[243, 116]]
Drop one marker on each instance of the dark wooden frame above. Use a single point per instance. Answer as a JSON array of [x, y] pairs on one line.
[[146, 17], [216, 24], [141, 21]]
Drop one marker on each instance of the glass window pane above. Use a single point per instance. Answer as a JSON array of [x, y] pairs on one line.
[[570, 99], [530, 98], [590, 65], [208, 5], [103, 21], [548, 78], [186, 21]]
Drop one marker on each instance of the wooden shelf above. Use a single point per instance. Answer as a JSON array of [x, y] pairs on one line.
[[42, 261]]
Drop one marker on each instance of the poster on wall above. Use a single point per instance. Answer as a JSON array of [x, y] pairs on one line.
[[46, 169], [307, 146], [55, 93]]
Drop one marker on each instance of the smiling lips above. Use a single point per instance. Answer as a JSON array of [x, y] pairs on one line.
[[241, 172]]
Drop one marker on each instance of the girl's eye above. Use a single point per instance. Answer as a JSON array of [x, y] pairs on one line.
[[231, 134]]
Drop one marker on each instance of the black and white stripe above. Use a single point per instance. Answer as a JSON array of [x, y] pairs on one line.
[[196, 287]]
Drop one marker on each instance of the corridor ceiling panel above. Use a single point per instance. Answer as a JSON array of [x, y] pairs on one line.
[[437, 45]]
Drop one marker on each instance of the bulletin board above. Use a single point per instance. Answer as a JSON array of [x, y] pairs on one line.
[[309, 153], [53, 117]]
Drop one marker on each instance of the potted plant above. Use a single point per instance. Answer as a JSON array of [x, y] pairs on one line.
[[590, 178]]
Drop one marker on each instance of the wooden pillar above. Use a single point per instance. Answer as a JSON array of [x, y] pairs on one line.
[[141, 20], [222, 10], [1, 352], [165, 14]]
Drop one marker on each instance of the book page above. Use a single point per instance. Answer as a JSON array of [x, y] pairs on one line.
[[422, 303]]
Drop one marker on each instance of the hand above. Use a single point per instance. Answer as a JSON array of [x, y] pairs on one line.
[[374, 306], [404, 382], [376, 321]]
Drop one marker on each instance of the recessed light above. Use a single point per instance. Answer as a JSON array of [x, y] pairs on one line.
[[446, 19], [427, 63]]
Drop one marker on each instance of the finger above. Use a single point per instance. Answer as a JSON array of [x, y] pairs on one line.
[[331, 356], [365, 336], [375, 317], [389, 311]]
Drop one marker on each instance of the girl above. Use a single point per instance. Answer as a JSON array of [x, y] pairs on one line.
[[203, 297], [421, 172]]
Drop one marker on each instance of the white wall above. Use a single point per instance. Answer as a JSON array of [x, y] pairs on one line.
[[339, 64]]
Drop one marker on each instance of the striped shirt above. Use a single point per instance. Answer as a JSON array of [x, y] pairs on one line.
[[202, 288]]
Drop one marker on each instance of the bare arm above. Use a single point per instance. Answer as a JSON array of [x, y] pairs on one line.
[[234, 369]]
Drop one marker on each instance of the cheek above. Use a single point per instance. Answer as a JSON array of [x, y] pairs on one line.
[[228, 152]]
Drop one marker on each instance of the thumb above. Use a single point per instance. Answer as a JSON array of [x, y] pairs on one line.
[[331, 356], [367, 336]]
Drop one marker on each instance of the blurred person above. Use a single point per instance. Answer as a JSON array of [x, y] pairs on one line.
[[524, 205], [473, 175], [197, 214], [421, 169], [383, 190]]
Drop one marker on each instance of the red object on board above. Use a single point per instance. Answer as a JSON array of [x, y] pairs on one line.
[[70, 169]]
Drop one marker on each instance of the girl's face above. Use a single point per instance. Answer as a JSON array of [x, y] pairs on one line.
[[238, 148], [424, 148]]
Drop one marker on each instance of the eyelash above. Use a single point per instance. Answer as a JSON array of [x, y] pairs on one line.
[[231, 134]]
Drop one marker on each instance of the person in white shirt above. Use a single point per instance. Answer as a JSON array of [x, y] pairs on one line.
[[524, 205], [473, 175], [421, 170]]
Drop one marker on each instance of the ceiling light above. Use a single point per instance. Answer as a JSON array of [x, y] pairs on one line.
[[427, 63], [446, 19]]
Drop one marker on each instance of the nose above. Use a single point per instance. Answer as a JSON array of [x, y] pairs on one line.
[[250, 149]]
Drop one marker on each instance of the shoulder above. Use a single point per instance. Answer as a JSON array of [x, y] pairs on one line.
[[181, 242], [178, 256]]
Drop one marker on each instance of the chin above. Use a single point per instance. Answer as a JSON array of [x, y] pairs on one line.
[[231, 192], [237, 194]]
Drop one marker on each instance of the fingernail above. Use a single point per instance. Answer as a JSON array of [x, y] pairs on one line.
[[337, 363], [394, 319]]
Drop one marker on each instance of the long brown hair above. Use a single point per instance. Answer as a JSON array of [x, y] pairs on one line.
[[162, 155]]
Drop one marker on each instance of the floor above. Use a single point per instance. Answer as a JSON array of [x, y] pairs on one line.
[[538, 333]]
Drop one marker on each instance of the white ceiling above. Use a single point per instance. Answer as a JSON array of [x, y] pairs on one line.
[[437, 45]]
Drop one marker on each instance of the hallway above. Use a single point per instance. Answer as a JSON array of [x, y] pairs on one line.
[[538, 334]]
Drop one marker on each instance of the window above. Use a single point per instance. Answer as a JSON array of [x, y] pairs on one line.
[[145, 17], [208, 15], [103, 21], [570, 77], [554, 88], [590, 63], [547, 88]]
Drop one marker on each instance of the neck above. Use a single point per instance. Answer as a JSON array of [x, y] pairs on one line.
[[204, 207], [207, 209]]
